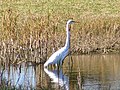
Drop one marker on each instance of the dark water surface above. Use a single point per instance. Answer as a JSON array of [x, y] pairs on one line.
[[80, 72]]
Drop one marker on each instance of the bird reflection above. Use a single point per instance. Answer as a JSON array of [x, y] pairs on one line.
[[59, 78]]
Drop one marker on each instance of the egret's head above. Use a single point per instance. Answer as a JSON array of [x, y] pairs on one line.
[[70, 21]]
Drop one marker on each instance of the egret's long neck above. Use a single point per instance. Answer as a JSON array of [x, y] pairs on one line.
[[67, 44]]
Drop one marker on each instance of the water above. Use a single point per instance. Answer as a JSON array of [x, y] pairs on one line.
[[80, 72]]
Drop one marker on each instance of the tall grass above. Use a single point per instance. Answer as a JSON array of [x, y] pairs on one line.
[[31, 31]]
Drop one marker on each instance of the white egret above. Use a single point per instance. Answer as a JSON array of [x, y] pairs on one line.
[[59, 56]]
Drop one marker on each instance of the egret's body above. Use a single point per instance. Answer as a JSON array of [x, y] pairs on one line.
[[58, 56]]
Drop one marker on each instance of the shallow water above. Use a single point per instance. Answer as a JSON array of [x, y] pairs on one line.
[[80, 72]]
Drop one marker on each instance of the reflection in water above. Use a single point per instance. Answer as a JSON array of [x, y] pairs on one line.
[[87, 72], [98, 72], [20, 77], [59, 78]]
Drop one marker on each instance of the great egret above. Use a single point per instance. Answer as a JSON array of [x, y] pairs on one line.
[[59, 56]]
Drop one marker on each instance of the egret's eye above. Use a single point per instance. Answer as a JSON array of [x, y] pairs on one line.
[[69, 27]]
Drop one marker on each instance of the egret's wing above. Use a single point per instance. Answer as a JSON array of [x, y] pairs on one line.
[[55, 57]]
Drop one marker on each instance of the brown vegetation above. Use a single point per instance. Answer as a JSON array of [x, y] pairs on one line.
[[34, 37]]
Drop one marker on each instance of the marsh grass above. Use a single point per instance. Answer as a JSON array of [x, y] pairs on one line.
[[31, 31], [34, 37], [99, 34]]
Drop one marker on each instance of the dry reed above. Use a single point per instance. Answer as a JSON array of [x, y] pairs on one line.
[[34, 37]]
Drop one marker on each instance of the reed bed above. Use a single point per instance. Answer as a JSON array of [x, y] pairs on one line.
[[33, 37]]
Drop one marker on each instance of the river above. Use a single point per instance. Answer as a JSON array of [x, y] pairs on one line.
[[79, 72]]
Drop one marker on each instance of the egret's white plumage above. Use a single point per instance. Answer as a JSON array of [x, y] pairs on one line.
[[59, 55]]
